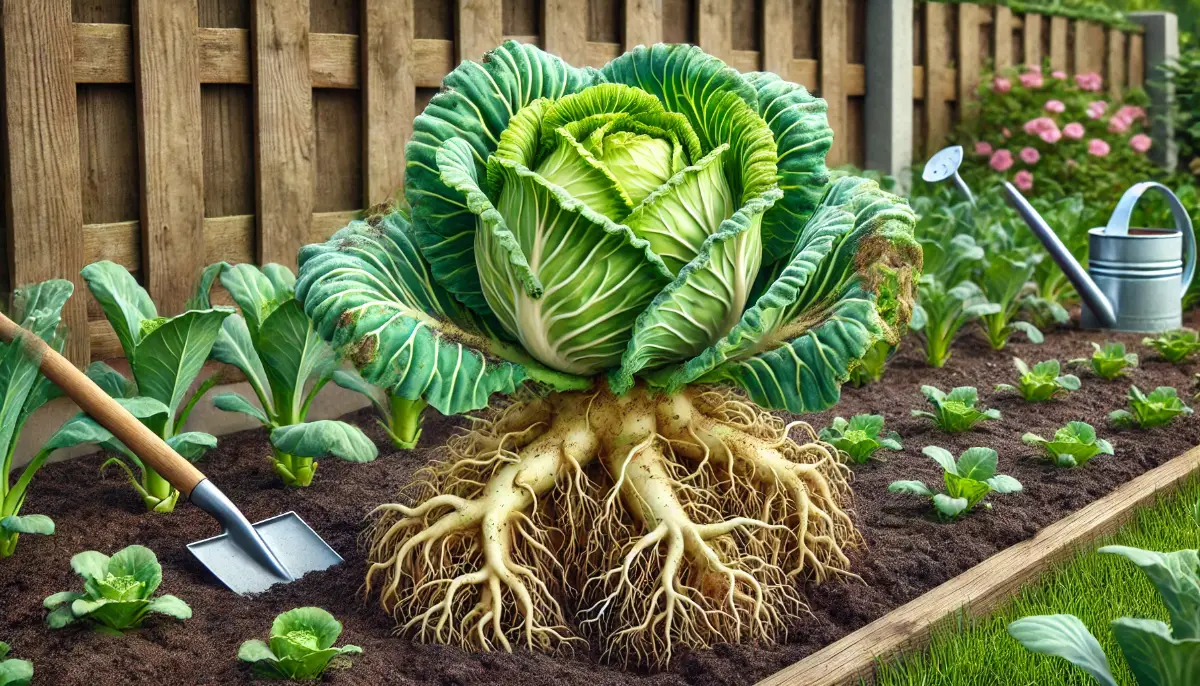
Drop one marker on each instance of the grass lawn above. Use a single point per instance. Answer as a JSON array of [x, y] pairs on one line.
[[1096, 588]]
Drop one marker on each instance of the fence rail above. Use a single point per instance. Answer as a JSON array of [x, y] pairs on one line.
[[167, 135]]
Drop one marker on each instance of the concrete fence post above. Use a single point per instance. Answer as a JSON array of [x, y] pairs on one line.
[[1162, 46], [889, 99]]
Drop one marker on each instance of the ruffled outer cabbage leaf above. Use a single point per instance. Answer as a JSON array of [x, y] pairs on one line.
[[663, 219]]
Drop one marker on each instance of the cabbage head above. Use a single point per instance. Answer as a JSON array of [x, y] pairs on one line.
[[663, 220]]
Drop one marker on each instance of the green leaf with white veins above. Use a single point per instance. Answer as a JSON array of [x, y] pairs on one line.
[[191, 445], [111, 381], [1155, 656], [234, 346], [1067, 637], [28, 524], [324, 437], [126, 304], [474, 106], [232, 402], [369, 292], [1176, 577], [166, 362], [842, 291], [292, 354], [255, 293]]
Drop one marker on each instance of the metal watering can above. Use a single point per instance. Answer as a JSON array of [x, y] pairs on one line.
[[1136, 278]]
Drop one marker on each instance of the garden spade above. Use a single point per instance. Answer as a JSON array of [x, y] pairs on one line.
[[248, 558]]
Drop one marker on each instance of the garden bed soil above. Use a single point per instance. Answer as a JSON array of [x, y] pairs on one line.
[[907, 551]]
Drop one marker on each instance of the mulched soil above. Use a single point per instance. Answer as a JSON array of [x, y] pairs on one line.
[[907, 553]]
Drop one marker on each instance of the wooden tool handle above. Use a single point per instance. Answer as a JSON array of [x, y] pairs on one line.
[[90, 398]]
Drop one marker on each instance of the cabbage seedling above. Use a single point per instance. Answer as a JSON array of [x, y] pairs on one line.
[[860, 437], [955, 412], [165, 355], [1003, 283], [286, 363], [118, 592], [1041, 383], [1175, 346], [872, 366], [400, 417], [943, 312], [1072, 445], [1158, 654], [301, 646], [1157, 409], [968, 480], [14, 672], [639, 243], [23, 390], [1110, 361]]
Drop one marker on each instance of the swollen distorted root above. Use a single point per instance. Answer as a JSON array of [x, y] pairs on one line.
[[649, 523]]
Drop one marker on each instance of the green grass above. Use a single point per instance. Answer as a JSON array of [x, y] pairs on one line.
[[1096, 588]]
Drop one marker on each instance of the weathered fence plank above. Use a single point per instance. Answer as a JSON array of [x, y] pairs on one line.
[[937, 112], [565, 31], [1002, 37], [1058, 43], [389, 97], [643, 23], [832, 67], [777, 41], [478, 29], [1032, 38], [714, 25], [970, 62], [1116, 74]]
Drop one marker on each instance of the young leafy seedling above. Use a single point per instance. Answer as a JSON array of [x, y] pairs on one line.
[[1041, 383], [1175, 346], [872, 366], [23, 390], [1157, 654], [1157, 409], [165, 355], [273, 343], [400, 417], [1110, 361], [301, 646], [943, 311], [968, 480], [954, 412], [860, 437], [117, 592], [14, 672], [1072, 445], [1003, 283]]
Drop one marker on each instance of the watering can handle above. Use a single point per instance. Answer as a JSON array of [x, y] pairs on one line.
[[1118, 223]]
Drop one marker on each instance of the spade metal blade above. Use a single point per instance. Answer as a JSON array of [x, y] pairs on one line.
[[295, 545]]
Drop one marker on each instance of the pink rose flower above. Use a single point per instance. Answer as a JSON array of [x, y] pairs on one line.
[[1074, 131], [1141, 143], [1098, 148], [1023, 180], [1030, 155], [1096, 109], [983, 148], [1059, 74], [1032, 79], [1001, 161], [1044, 128], [1090, 81], [1132, 113], [1118, 124], [1055, 106], [1001, 85]]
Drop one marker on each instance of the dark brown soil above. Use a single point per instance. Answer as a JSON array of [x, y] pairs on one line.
[[907, 552]]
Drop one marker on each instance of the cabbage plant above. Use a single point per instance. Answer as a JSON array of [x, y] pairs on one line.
[[399, 417], [300, 648], [287, 364], [165, 355], [1072, 446], [1110, 361], [1175, 346], [14, 672], [646, 258], [118, 592], [860, 437], [1042, 382], [969, 479], [1146, 411]]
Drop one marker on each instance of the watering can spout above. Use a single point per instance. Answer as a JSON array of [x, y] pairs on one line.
[[1088, 291]]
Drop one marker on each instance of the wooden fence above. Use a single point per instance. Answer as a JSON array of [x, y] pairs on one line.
[[166, 135]]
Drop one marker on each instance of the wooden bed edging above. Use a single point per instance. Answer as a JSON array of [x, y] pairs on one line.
[[981, 588]]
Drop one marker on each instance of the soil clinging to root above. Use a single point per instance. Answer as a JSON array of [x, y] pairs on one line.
[[906, 553]]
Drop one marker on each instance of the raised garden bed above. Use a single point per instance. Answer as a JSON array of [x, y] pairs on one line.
[[907, 554]]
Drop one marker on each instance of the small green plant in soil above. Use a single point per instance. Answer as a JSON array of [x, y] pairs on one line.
[[955, 412], [1158, 654], [1073, 444], [1109, 361], [23, 390], [1003, 283], [943, 311], [14, 672], [1041, 383], [860, 437], [300, 648], [968, 481], [165, 355], [872, 366], [287, 364], [1158, 408], [400, 417], [118, 592], [1175, 346]]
